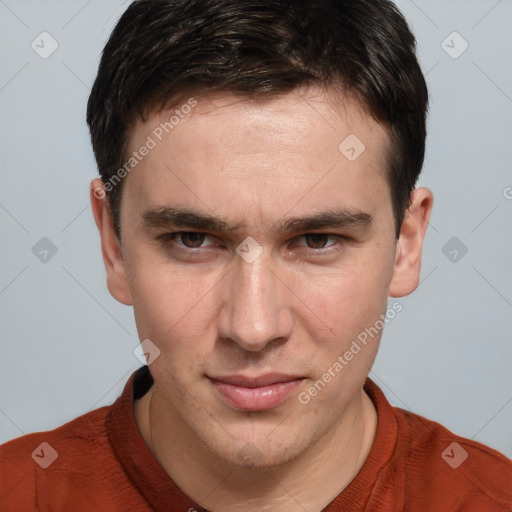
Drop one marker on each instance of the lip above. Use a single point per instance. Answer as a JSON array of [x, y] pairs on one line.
[[256, 393]]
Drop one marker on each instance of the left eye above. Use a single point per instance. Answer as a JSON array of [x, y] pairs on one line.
[[191, 239], [317, 240], [184, 239]]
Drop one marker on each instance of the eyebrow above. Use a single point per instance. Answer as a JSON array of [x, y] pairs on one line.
[[337, 218], [182, 218], [178, 217]]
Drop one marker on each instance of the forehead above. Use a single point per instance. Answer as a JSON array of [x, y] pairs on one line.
[[310, 146], [310, 113]]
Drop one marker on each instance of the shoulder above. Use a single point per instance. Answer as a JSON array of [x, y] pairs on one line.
[[439, 465], [26, 462], [22, 451]]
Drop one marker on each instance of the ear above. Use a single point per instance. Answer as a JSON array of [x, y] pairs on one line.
[[406, 273], [117, 281]]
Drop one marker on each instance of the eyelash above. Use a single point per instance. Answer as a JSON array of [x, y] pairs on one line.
[[169, 239]]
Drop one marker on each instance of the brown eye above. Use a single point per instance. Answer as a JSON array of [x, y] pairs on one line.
[[192, 239], [316, 240]]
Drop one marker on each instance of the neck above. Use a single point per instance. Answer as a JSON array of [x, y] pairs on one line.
[[311, 480]]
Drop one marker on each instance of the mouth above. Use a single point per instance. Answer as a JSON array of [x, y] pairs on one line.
[[255, 393]]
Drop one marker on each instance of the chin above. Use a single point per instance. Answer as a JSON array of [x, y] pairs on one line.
[[262, 452]]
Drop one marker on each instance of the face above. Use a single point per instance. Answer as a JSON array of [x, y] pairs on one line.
[[255, 250]]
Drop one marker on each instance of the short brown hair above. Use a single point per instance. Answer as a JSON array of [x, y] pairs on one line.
[[159, 49]]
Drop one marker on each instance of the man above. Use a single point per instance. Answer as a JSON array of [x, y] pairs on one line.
[[257, 208]]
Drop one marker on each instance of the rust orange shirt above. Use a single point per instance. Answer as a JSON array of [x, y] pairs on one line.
[[99, 462]]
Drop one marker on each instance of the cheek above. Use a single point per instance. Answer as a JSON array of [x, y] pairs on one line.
[[345, 303], [178, 317], [169, 304]]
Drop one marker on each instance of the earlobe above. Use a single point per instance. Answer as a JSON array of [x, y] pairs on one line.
[[117, 280], [409, 245]]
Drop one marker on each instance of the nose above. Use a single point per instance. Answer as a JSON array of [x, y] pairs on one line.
[[256, 307]]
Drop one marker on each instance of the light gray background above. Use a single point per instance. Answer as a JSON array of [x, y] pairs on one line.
[[67, 346]]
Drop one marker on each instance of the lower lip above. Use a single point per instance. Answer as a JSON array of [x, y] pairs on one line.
[[256, 399]]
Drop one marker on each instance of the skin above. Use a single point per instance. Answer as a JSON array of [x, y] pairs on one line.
[[255, 164]]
